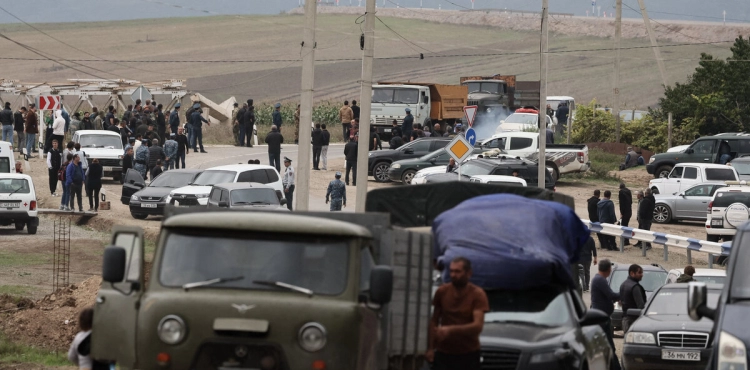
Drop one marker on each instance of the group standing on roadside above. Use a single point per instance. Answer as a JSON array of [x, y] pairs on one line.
[[603, 211]]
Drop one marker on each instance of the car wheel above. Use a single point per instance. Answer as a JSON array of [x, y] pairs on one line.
[[380, 172], [663, 171], [712, 238], [31, 228], [662, 214], [139, 216], [407, 176], [20, 226]]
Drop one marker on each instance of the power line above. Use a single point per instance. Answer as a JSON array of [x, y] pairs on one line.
[[460, 6], [406, 41]]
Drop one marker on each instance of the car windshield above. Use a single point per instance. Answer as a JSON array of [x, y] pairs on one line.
[[100, 141], [254, 196], [672, 302], [470, 169], [172, 179], [711, 279], [533, 307], [310, 262], [391, 95], [527, 119], [15, 186], [651, 281], [743, 168], [213, 177], [485, 87]]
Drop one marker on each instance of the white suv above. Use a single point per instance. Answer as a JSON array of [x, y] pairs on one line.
[[106, 146], [685, 175], [196, 194], [728, 210], [18, 202]]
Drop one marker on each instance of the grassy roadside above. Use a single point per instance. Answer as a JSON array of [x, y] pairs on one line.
[[602, 163], [14, 353]]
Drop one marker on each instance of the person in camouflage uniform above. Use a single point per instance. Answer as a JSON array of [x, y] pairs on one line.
[[337, 193], [296, 125], [141, 159], [170, 152], [235, 124]]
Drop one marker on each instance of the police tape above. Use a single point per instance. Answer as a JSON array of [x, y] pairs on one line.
[[660, 238]]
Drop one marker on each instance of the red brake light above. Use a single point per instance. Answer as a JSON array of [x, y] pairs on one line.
[[710, 205], [580, 157], [32, 206]]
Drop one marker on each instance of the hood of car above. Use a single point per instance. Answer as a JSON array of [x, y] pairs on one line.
[[192, 190], [154, 191], [382, 153], [265, 207], [414, 162], [657, 323], [443, 177], [507, 333], [658, 181], [102, 152]]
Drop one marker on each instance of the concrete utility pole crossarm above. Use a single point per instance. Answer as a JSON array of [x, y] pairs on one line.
[[542, 158], [306, 106], [364, 110]]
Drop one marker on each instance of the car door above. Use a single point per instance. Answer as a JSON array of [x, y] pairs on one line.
[[672, 184], [132, 183], [416, 150], [694, 202], [114, 335], [702, 151], [691, 175], [592, 338], [438, 144]]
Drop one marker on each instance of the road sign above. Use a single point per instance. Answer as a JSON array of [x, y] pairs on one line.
[[459, 149], [471, 136], [470, 112], [140, 93], [49, 102]]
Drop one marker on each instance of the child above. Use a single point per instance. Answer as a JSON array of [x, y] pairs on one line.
[[85, 322]]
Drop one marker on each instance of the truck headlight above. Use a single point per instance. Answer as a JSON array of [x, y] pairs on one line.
[[639, 338], [312, 337], [172, 329], [651, 160], [732, 352], [395, 165], [133, 197]]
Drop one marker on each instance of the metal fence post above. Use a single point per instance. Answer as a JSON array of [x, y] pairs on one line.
[[644, 248], [710, 260], [666, 253], [689, 257], [622, 244]]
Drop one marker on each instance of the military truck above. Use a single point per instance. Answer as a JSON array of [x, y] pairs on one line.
[[500, 94], [262, 290], [429, 103]]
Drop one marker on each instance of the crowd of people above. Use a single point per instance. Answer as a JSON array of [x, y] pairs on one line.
[[603, 210]]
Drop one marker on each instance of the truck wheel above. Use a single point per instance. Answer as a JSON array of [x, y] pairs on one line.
[[31, 228], [407, 176], [20, 226], [662, 214], [555, 171], [380, 172], [663, 171], [139, 216], [712, 238]]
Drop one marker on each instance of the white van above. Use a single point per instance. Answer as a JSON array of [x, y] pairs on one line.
[[7, 158]]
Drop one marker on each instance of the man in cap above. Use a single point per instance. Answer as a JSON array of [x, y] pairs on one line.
[[141, 159], [288, 182], [235, 124], [197, 125], [174, 119], [408, 125], [170, 152], [249, 119], [337, 193], [274, 141], [276, 115], [350, 153], [345, 117]]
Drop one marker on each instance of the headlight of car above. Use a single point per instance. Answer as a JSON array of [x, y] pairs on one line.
[[172, 329], [639, 338], [133, 197], [395, 165], [201, 195], [119, 157], [651, 160], [312, 337], [732, 352], [549, 356], [369, 154]]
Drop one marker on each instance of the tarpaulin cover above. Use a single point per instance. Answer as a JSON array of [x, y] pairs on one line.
[[512, 242], [418, 205]]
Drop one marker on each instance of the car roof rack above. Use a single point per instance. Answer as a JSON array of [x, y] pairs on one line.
[[736, 183]]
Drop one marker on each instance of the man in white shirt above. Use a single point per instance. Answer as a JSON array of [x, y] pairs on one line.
[[288, 182]]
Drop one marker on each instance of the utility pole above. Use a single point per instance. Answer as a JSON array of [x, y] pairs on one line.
[[306, 106], [654, 45], [543, 47], [365, 98], [616, 83]]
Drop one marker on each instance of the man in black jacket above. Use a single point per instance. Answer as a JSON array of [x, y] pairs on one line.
[[249, 122], [317, 146], [183, 148], [626, 207], [19, 123], [161, 124], [594, 215], [155, 153], [646, 213], [350, 152], [274, 141], [632, 295], [6, 118]]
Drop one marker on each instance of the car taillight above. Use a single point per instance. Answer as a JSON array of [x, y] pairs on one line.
[[710, 205], [32, 206], [580, 157]]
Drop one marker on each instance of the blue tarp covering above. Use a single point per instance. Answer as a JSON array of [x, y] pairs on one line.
[[512, 242]]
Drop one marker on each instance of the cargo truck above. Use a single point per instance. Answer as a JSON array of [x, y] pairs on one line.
[[500, 93]]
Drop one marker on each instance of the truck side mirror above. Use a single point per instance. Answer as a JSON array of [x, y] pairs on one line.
[[689, 151], [697, 298], [594, 317], [114, 264], [381, 284]]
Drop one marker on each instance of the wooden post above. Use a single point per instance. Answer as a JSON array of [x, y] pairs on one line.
[[669, 130]]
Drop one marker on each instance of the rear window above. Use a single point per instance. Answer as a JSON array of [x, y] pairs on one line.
[[726, 198], [15, 186], [720, 174]]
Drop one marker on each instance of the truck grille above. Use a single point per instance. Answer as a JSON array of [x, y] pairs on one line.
[[384, 121], [682, 339], [214, 355], [185, 200], [473, 102], [107, 162], [500, 359]]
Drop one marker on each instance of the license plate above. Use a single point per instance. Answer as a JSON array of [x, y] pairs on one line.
[[386, 130], [718, 222], [680, 355], [10, 205], [148, 205], [107, 169]]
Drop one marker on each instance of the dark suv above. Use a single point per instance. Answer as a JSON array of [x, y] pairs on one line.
[[379, 161], [654, 277], [703, 150]]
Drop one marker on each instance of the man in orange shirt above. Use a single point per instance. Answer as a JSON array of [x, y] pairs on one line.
[[457, 320]]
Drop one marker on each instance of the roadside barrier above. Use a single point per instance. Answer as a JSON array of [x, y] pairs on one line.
[[714, 250]]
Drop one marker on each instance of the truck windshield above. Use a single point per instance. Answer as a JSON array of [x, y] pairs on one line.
[[100, 141], [395, 95], [314, 263], [485, 87], [547, 307]]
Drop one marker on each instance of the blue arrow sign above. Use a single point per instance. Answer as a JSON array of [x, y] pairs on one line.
[[471, 136]]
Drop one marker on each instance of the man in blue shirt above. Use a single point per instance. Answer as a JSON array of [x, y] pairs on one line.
[[174, 119], [276, 115], [603, 298], [337, 193]]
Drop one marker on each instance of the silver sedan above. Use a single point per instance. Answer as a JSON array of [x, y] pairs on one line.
[[692, 204]]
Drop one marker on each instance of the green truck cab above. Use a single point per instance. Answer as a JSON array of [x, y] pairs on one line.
[[707, 149]]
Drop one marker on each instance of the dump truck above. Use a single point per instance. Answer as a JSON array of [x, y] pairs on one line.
[[429, 103], [500, 93]]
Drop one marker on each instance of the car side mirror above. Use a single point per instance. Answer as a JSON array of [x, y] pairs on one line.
[[408, 151], [594, 317], [381, 284], [283, 201], [682, 195], [635, 312], [697, 299], [689, 151], [113, 270], [223, 204], [131, 182]]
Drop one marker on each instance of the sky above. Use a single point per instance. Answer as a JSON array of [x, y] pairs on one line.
[[46, 11]]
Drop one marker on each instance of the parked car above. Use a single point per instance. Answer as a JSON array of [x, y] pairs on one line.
[[150, 200], [498, 180], [405, 169], [728, 209], [663, 338], [689, 205], [421, 176], [379, 161], [197, 193], [685, 175], [708, 276], [18, 202], [654, 277], [702, 150], [7, 159], [527, 170], [106, 146], [246, 195], [742, 166], [730, 332]]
